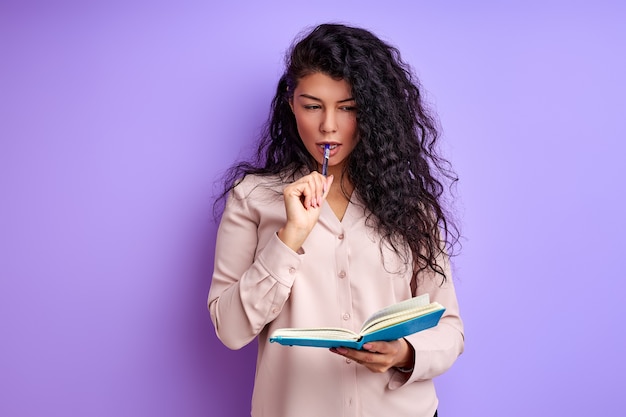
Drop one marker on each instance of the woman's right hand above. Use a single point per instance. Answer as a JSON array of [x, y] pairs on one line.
[[303, 202]]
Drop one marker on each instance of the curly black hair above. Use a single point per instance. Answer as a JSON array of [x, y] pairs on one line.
[[395, 167]]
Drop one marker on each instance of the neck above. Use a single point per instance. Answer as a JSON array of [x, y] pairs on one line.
[[342, 181], [339, 194], [341, 184]]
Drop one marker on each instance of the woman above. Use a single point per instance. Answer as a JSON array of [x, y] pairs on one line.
[[296, 248]]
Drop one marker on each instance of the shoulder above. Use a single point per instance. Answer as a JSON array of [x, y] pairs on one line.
[[254, 197], [254, 185], [256, 194]]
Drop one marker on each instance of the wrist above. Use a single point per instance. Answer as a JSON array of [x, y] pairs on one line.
[[408, 358], [291, 238]]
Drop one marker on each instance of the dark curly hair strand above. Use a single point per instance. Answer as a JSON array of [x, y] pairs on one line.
[[395, 167]]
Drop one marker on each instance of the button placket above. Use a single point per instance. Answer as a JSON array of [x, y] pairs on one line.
[[343, 280]]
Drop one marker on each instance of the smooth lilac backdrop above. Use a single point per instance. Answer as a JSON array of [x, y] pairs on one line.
[[117, 117]]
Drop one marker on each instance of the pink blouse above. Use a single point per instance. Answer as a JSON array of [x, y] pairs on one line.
[[340, 279]]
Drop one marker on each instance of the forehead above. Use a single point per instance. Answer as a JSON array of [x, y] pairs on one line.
[[324, 87]]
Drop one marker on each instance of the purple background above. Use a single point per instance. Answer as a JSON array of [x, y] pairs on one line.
[[117, 117]]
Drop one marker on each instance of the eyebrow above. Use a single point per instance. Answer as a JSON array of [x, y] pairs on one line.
[[317, 99]]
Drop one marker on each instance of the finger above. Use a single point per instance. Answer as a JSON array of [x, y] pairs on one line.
[[297, 192], [308, 200], [320, 187], [314, 189], [306, 188], [377, 347], [327, 183], [375, 362], [360, 356], [317, 184]]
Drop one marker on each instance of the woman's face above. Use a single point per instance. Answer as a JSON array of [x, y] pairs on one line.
[[325, 113]]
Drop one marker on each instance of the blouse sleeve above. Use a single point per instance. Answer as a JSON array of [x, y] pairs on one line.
[[250, 284], [437, 348]]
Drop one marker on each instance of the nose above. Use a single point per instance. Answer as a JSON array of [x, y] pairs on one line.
[[329, 122]]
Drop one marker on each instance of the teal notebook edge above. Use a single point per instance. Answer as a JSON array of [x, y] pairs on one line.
[[394, 332]]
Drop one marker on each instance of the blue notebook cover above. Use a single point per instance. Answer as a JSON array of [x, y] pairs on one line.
[[392, 332]]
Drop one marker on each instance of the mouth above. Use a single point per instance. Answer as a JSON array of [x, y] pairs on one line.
[[331, 147]]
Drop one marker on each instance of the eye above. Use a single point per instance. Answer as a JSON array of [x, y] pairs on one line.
[[348, 108], [311, 106]]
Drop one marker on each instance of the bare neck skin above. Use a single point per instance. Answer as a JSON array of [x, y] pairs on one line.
[[340, 192]]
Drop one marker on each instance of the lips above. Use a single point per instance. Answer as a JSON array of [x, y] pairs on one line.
[[332, 146]]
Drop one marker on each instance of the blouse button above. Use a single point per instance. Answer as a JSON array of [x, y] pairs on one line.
[[292, 270], [340, 237], [346, 316], [342, 274], [348, 361]]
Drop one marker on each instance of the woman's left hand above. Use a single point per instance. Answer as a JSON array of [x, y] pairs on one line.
[[380, 356]]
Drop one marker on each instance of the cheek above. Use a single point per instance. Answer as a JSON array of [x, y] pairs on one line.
[[351, 127], [306, 126], [349, 122]]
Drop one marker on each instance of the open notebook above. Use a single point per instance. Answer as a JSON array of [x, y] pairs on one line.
[[390, 323]]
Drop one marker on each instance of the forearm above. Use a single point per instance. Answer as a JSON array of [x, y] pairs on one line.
[[239, 314], [241, 306], [435, 350]]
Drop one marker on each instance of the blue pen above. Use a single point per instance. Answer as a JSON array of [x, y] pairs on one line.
[[326, 157]]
